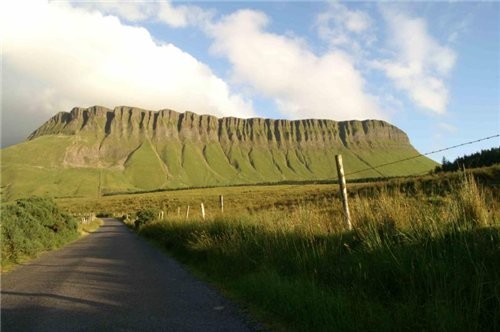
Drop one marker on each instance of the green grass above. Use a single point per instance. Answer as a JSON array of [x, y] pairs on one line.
[[413, 262], [251, 198], [91, 163], [222, 171], [423, 254], [143, 169], [24, 180], [195, 166], [48, 151]]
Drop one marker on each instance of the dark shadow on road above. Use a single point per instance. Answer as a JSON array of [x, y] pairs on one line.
[[54, 296], [111, 280]]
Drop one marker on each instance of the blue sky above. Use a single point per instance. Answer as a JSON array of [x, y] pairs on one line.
[[430, 68]]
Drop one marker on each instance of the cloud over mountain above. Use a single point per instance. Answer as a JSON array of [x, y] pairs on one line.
[[284, 69], [58, 56]]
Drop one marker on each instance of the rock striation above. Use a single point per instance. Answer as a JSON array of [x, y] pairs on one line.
[[168, 124]]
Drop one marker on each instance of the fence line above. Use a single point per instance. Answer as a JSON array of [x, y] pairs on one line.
[[419, 155]]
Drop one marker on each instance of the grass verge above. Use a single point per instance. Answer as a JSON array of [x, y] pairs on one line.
[[410, 263], [87, 228]]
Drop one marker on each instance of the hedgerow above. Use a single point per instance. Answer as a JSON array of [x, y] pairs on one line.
[[32, 225]]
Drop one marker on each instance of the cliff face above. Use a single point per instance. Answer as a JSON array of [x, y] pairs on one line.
[[130, 149], [129, 122]]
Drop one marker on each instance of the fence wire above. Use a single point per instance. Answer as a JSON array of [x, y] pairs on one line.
[[375, 168]]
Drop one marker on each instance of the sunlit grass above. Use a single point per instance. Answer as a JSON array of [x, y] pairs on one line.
[[90, 227], [243, 199], [412, 262]]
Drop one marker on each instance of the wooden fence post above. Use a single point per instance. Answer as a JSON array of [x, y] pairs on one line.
[[202, 211], [221, 203], [343, 190], [178, 211], [187, 212]]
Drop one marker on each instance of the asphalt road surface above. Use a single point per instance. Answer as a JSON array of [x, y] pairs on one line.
[[112, 280]]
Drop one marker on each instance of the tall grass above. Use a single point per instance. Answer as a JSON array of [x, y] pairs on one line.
[[411, 263], [260, 197]]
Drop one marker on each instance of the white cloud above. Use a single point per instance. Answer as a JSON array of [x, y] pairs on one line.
[[178, 16], [183, 15], [420, 65], [133, 11], [284, 69], [340, 26], [57, 57]]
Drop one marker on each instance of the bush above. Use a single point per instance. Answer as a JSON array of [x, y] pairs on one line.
[[32, 225], [144, 217]]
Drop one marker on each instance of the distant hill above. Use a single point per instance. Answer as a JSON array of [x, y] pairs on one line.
[[98, 150]]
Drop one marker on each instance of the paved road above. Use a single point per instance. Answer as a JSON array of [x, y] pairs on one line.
[[111, 280]]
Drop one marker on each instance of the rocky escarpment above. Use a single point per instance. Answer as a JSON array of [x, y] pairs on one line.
[[168, 124], [98, 150]]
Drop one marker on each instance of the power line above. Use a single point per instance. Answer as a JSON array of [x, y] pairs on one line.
[[421, 155]]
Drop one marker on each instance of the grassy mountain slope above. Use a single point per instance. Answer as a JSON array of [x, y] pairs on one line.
[[92, 151]]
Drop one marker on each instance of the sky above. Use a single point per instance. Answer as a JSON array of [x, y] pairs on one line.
[[430, 68]]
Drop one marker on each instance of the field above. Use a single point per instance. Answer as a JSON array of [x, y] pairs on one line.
[[423, 254], [242, 200]]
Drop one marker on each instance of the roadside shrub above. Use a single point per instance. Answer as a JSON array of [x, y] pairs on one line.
[[144, 217], [32, 225]]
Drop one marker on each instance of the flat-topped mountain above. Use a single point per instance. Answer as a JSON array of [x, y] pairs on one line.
[[96, 150], [167, 124]]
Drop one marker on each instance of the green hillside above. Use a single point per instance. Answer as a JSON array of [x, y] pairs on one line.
[[95, 151]]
